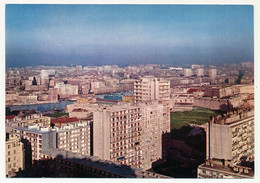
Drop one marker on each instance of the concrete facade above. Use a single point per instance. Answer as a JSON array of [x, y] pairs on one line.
[[74, 137], [40, 139], [130, 134], [14, 155]]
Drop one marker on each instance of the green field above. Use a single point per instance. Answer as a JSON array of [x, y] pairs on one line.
[[196, 116], [59, 114]]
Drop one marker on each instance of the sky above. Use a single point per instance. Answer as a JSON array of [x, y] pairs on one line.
[[128, 34]]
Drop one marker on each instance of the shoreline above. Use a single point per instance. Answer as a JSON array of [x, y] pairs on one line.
[[38, 103]]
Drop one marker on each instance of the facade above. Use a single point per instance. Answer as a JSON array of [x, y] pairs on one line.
[[53, 94], [187, 72], [74, 137], [130, 134], [40, 139], [24, 120], [229, 142], [117, 134], [128, 99], [213, 73], [150, 88], [66, 89], [181, 101], [200, 72], [14, 155], [231, 137]]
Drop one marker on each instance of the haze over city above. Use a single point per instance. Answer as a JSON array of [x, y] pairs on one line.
[[128, 34]]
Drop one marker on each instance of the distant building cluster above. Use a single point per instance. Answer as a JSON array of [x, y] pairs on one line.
[[97, 137]]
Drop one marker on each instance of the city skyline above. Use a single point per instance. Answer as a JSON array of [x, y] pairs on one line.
[[128, 34]]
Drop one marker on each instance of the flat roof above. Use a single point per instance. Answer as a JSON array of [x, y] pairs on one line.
[[32, 130], [94, 162]]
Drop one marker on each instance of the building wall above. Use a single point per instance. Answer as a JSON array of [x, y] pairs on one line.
[[116, 135], [40, 139], [74, 138], [151, 88], [14, 156], [220, 142], [231, 138], [101, 134], [131, 134], [214, 104]]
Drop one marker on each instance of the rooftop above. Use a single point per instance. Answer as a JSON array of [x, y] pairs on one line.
[[239, 170], [95, 162], [65, 119], [34, 129], [10, 117]]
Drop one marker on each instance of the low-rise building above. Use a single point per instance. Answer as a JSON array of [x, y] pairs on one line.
[[181, 101]]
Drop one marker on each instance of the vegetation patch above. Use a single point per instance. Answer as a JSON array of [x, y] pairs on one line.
[[59, 114], [196, 116]]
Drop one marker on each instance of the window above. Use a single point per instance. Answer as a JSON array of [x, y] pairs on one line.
[[14, 151], [8, 152]]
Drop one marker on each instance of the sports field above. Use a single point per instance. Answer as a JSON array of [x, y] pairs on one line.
[[196, 116]]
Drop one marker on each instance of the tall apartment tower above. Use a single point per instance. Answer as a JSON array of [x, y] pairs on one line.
[[187, 72], [229, 142], [53, 94], [200, 72], [117, 134], [129, 134], [213, 73], [150, 88]]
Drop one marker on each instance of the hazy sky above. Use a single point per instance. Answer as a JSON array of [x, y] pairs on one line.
[[128, 34]]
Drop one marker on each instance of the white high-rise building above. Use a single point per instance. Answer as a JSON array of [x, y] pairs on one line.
[[213, 73]]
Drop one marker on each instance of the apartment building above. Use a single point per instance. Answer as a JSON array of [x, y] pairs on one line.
[[181, 101], [187, 72], [26, 119], [151, 88], [230, 138], [38, 138], [213, 73], [130, 134], [14, 155], [117, 134], [74, 137], [66, 89]]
